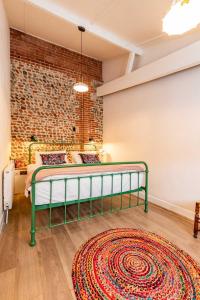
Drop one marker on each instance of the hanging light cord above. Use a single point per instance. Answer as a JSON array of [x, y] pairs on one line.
[[81, 57], [82, 98], [81, 86]]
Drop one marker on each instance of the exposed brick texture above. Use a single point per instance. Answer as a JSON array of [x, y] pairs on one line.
[[43, 102]]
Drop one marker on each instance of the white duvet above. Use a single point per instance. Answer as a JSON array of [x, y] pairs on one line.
[[88, 189]]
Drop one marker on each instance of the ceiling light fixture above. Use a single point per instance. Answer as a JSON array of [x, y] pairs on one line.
[[182, 17], [81, 87]]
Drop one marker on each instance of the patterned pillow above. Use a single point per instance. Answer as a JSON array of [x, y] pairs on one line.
[[53, 159], [89, 158], [38, 158]]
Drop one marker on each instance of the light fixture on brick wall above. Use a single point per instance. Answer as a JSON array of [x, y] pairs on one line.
[[91, 140], [182, 17], [81, 87], [34, 138]]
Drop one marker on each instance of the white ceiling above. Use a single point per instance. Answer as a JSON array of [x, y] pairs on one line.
[[120, 25]]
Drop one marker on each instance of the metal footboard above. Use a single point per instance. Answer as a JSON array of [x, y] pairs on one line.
[[78, 202]]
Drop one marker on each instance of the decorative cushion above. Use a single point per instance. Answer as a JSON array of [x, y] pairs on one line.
[[88, 158], [38, 158], [53, 159], [76, 159]]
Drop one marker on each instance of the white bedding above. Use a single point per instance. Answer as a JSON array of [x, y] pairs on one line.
[[58, 187]]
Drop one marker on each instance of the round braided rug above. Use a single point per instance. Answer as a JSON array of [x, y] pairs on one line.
[[134, 264]]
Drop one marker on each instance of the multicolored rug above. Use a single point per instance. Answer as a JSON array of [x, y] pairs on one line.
[[134, 264]]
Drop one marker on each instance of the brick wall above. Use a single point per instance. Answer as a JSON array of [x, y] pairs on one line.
[[43, 102]]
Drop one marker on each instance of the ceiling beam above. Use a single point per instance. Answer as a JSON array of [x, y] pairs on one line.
[[130, 62], [177, 61], [56, 9]]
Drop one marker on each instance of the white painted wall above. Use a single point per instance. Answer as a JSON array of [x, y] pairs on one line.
[[114, 68], [159, 122], [4, 96]]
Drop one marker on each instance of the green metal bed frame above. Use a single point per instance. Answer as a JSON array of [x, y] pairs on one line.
[[50, 205]]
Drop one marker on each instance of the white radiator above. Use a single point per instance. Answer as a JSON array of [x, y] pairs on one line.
[[8, 187]]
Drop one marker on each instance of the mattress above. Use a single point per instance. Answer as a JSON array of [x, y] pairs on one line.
[[88, 188]]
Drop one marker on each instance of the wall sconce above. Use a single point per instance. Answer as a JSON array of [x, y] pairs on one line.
[[91, 140], [34, 138], [73, 134]]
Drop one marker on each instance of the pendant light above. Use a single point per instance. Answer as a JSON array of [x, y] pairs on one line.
[[182, 17], [81, 87]]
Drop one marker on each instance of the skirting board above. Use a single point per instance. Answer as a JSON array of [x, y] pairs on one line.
[[172, 207], [1, 222]]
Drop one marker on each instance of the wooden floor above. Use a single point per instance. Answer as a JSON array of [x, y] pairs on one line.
[[44, 272]]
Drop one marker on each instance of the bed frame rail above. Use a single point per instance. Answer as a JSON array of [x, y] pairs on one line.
[[79, 201]]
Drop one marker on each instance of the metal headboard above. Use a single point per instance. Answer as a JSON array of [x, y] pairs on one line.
[[51, 146]]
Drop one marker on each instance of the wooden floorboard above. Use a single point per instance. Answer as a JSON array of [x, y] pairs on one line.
[[44, 271]]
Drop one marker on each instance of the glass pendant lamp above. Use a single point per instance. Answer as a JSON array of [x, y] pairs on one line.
[[81, 87]]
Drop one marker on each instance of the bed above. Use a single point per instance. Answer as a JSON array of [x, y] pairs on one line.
[[52, 186]]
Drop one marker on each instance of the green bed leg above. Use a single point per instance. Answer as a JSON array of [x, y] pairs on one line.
[[146, 192], [32, 232], [32, 241], [146, 203]]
